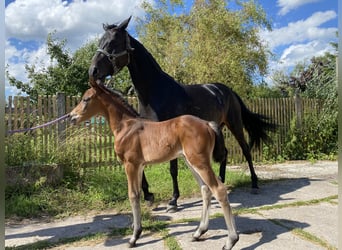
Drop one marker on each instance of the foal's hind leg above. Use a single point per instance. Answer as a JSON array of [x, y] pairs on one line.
[[206, 200], [220, 193], [204, 224]]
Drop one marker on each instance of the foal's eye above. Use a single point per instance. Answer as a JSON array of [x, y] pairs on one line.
[[86, 99]]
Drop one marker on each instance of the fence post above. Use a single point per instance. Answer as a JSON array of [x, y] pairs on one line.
[[298, 109], [60, 111]]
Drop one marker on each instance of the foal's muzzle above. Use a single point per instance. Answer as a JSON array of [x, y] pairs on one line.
[[73, 118]]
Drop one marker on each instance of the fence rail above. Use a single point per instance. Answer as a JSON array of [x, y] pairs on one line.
[[95, 139]]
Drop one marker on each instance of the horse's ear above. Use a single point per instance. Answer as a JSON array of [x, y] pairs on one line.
[[105, 26], [124, 24]]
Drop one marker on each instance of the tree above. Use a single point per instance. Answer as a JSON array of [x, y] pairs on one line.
[[211, 43], [67, 73]]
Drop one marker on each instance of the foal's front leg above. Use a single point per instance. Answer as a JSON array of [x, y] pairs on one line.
[[134, 176]]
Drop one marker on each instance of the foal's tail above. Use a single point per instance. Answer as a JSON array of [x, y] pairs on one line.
[[257, 125], [220, 151]]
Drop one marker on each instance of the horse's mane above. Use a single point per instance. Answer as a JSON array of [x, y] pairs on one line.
[[109, 26], [147, 54], [119, 97]]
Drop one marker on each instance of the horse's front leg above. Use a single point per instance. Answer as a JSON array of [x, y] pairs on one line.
[[134, 177], [172, 206], [148, 197]]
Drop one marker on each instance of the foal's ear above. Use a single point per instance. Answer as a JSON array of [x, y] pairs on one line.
[[124, 24]]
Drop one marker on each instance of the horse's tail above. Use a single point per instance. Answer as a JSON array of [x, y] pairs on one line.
[[220, 151], [257, 125]]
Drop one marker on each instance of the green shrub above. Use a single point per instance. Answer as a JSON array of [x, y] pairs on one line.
[[315, 139]]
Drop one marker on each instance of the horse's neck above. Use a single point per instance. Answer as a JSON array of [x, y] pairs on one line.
[[145, 72]]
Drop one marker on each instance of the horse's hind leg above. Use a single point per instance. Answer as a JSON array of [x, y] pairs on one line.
[[247, 153], [172, 206], [223, 166], [236, 127]]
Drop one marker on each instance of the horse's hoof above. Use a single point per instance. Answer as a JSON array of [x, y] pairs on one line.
[[171, 208], [149, 199], [255, 191]]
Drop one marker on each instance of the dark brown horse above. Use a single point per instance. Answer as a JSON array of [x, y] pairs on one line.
[[139, 142], [162, 98]]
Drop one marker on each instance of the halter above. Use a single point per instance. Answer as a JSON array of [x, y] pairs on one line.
[[113, 56]]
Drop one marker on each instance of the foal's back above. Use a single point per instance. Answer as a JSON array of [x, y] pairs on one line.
[[156, 142]]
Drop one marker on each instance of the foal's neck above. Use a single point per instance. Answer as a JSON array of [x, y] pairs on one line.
[[117, 109]]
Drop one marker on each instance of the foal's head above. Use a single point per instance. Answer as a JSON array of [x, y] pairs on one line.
[[89, 106], [113, 52]]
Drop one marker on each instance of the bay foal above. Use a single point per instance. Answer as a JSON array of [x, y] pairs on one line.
[[139, 142]]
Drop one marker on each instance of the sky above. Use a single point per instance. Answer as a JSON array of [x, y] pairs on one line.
[[301, 29]]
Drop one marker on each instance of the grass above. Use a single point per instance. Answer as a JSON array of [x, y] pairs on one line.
[[105, 188], [99, 189]]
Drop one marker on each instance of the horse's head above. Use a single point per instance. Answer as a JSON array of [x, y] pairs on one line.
[[89, 106], [113, 53]]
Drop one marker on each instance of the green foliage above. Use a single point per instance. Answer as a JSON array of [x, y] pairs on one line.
[[99, 189], [314, 140], [263, 90], [317, 138], [18, 149], [211, 43], [66, 72]]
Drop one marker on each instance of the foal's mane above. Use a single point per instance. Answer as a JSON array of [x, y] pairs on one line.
[[118, 97]]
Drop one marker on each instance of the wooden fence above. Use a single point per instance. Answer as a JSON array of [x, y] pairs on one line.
[[95, 141]]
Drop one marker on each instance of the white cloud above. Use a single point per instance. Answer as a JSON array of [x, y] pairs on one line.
[[78, 22], [302, 30], [303, 52], [288, 5], [297, 53], [299, 41]]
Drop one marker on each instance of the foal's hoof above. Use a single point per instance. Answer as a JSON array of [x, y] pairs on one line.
[[131, 244], [194, 239], [171, 208], [255, 191]]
